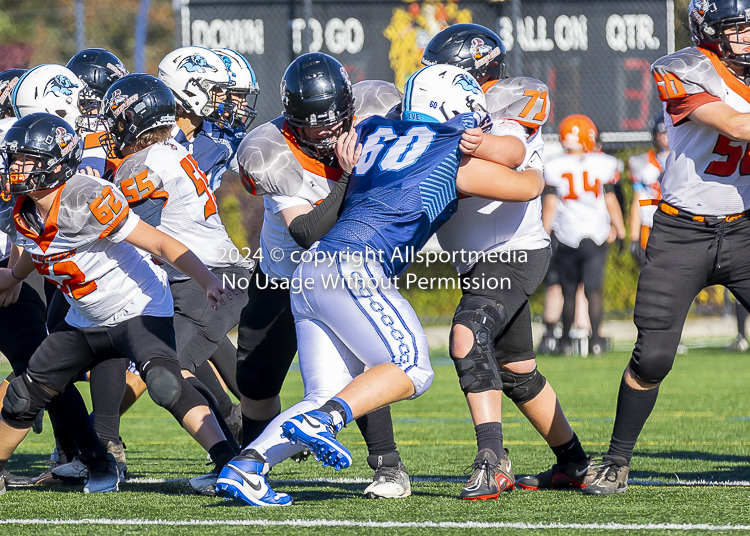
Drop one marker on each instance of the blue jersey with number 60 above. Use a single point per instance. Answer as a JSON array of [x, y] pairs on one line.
[[402, 189]]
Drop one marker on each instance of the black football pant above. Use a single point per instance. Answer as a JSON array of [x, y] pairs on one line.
[[584, 264], [266, 345], [23, 331], [683, 257]]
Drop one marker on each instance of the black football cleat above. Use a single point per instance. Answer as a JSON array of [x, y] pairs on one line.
[[568, 476], [489, 477], [611, 477]]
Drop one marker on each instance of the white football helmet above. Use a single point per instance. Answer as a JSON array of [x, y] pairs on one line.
[[243, 89], [438, 93], [198, 78], [52, 89]]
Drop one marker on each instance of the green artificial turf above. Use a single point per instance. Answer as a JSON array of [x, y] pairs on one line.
[[698, 432]]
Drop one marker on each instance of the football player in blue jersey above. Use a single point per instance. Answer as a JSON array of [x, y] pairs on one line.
[[291, 162], [348, 311], [200, 80], [215, 95]]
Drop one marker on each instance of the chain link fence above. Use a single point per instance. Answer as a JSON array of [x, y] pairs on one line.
[[594, 56]]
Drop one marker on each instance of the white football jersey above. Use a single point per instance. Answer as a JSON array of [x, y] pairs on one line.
[[581, 210], [273, 165], [646, 171], [481, 225], [166, 171], [81, 250], [706, 172]]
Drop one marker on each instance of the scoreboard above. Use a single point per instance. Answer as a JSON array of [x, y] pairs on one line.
[[595, 56]]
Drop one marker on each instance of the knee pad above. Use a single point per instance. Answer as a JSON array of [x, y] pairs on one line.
[[169, 389], [653, 358], [522, 386], [478, 370], [23, 400], [163, 379]]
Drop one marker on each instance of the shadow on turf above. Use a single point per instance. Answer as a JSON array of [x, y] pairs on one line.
[[733, 467]]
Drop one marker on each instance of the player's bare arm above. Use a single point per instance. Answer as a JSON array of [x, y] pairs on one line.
[[635, 217], [724, 119], [615, 215], [506, 150], [482, 178], [10, 278], [10, 296], [549, 210], [167, 248]]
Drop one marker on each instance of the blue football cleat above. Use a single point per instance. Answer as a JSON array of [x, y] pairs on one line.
[[317, 431], [243, 479]]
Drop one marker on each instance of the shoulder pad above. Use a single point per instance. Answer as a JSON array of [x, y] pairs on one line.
[[686, 72], [374, 97], [521, 98], [267, 164], [136, 178], [90, 206]]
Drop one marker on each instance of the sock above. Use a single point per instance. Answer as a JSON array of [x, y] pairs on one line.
[[596, 309], [341, 407], [633, 409], [2, 465], [107, 389], [550, 328], [225, 361], [214, 406], [221, 453], [741, 318], [377, 429], [66, 447], [207, 377], [570, 452], [390, 459], [490, 436], [251, 429], [94, 455], [71, 414]]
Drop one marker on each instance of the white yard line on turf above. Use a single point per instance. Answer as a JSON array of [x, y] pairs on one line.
[[454, 479], [377, 524]]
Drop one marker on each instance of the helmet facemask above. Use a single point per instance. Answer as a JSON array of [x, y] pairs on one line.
[[25, 172], [314, 146], [238, 110]]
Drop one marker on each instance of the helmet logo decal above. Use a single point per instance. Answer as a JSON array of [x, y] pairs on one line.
[[119, 102], [65, 140], [345, 75], [481, 62], [7, 89], [478, 48], [196, 63], [119, 69], [228, 65], [60, 86], [467, 83]]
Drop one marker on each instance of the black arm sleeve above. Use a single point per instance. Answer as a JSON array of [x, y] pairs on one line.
[[608, 188], [311, 227], [549, 190]]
